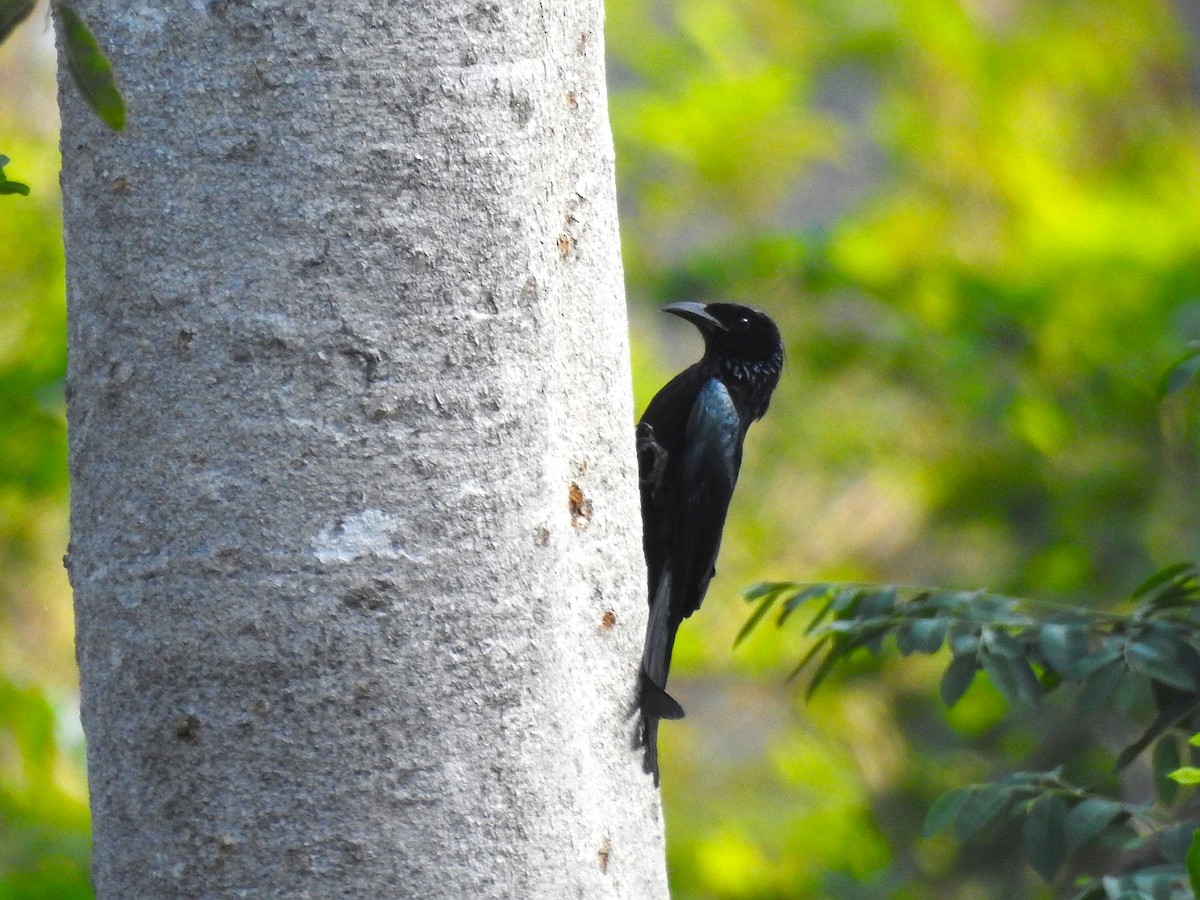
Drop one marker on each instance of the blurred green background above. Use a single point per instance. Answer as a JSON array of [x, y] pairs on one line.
[[978, 224]]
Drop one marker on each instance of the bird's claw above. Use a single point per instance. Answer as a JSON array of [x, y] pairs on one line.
[[647, 443]]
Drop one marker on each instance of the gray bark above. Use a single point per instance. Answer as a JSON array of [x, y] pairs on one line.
[[355, 540]]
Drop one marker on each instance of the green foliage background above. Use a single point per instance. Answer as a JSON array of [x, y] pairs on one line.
[[978, 223]]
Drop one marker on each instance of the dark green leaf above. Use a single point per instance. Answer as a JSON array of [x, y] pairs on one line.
[[1181, 373], [877, 603], [1002, 672], [12, 14], [964, 637], [922, 635], [90, 68], [944, 810], [810, 592], [959, 675], [797, 600], [1174, 842], [1094, 661], [1088, 818], [836, 651], [761, 589], [1161, 577], [1001, 643], [845, 599], [1045, 835], [840, 647], [981, 806], [1063, 645], [761, 610], [1165, 760], [7, 186], [14, 187], [810, 655], [1163, 660], [1027, 681]]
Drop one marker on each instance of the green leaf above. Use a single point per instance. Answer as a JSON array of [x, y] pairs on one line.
[[959, 675], [981, 806], [761, 589], [922, 635], [1088, 818], [1045, 835], [963, 643], [1011, 677], [1174, 842], [1164, 660], [7, 186], [877, 603], [1193, 864], [1001, 643], [944, 810], [1063, 645], [12, 14], [1162, 576], [90, 68], [760, 611], [14, 187], [1181, 373], [1185, 775], [813, 591], [810, 655]]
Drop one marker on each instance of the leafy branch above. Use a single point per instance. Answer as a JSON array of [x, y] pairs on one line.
[[1026, 650]]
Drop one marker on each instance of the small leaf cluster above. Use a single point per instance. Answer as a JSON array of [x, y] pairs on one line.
[[1060, 818], [1027, 650]]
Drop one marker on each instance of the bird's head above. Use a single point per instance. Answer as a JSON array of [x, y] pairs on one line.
[[733, 330]]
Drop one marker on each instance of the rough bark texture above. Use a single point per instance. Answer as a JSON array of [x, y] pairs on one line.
[[355, 531]]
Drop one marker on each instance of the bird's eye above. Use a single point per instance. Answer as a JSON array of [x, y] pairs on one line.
[[741, 323]]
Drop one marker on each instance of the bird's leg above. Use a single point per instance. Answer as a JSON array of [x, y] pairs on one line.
[[646, 443]]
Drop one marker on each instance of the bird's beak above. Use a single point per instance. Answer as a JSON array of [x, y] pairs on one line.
[[697, 314]]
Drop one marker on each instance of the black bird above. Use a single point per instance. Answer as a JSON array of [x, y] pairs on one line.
[[689, 451]]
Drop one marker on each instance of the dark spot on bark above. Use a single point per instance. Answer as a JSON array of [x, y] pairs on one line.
[[187, 728], [608, 620], [543, 536], [580, 506], [603, 853], [529, 290], [185, 338], [484, 17], [522, 108], [122, 184], [241, 355], [368, 359], [565, 245], [369, 597], [572, 100]]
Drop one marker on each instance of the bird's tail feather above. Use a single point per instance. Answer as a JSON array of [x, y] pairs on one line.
[[654, 703]]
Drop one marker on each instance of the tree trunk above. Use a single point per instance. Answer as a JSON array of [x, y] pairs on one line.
[[355, 540]]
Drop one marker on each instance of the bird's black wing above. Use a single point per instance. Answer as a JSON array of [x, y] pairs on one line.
[[687, 484], [712, 456]]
